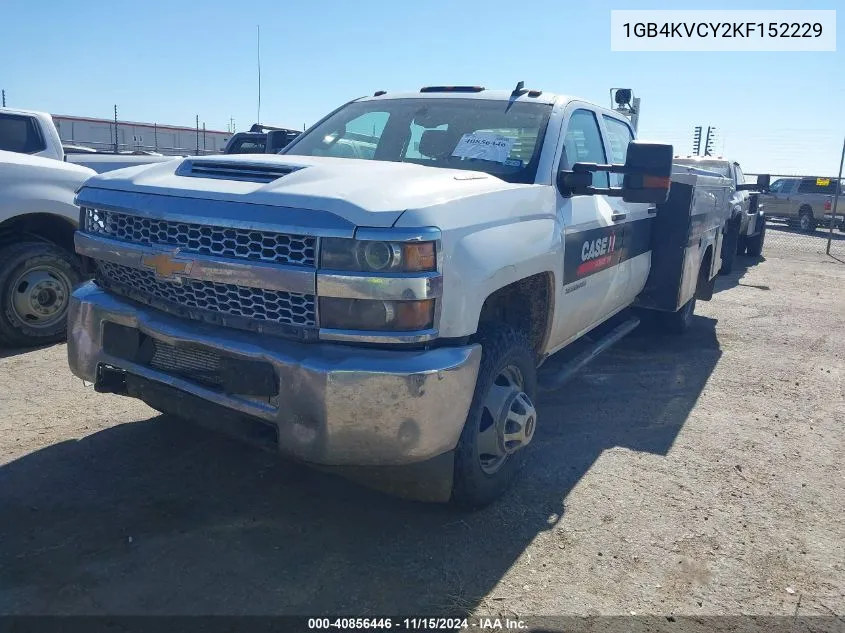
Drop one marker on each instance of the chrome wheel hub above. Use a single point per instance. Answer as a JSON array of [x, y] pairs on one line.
[[39, 296], [508, 420]]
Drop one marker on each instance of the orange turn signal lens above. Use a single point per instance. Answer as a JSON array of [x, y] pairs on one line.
[[419, 256], [414, 315], [656, 182]]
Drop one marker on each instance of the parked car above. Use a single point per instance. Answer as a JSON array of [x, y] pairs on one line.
[[745, 227], [803, 202], [38, 267], [261, 139], [386, 317]]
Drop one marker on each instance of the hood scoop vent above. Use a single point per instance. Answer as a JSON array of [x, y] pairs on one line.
[[224, 170]]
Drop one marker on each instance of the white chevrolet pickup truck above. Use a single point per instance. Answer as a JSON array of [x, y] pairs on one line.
[[386, 317], [38, 268]]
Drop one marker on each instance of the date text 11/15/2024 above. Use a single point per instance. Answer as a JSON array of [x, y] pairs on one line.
[[417, 624]]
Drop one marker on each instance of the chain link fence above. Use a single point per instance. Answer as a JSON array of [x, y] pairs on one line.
[[803, 215]]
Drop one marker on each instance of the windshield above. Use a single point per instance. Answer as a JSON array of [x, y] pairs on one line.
[[498, 137], [719, 166]]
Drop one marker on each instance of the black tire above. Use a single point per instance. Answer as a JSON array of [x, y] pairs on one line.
[[679, 322], [806, 221], [729, 246], [754, 244], [56, 271], [502, 347]]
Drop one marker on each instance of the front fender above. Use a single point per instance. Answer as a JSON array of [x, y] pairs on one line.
[[23, 198], [482, 260]]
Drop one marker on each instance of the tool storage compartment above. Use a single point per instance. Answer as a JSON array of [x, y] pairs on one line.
[[689, 222]]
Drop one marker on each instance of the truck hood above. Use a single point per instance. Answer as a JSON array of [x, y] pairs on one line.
[[363, 192]]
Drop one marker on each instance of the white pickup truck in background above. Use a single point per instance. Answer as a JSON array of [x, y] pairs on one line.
[[38, 267], [387, 317]]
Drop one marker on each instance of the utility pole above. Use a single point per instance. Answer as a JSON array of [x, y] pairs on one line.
[[836, 198], [203, 137], [4, 98], [258, 120], [115, 129], [198, 135]]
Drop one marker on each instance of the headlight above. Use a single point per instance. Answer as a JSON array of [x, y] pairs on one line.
[[378, 257], [369, 314]]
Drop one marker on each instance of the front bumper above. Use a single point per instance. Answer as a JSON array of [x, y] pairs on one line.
[[336, 405]]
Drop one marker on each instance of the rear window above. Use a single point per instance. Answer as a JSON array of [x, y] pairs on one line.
[[20, 134], [817, 185]]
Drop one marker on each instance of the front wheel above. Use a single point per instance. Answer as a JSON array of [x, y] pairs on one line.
[[501, 420], [36, 281]]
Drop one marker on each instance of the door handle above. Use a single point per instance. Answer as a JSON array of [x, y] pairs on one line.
[[652, 210], [617, 216]]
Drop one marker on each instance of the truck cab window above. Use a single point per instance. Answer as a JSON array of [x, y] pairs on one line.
[[619, 135], [20, 134], [500, 138], [740, 177], [359, 138], [583, 144]]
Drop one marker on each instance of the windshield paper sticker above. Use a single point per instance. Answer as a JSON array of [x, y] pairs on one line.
[[484, 146]]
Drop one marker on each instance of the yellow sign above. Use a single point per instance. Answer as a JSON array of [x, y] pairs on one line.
[[165, 265], [823, 182]]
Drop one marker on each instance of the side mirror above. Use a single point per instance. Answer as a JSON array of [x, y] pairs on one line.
[[647, 175], [648, 172]]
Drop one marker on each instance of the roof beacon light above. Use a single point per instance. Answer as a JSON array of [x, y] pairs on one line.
[[623, 101]]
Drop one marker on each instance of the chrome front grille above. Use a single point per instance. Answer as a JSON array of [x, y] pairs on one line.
[[236, 243], [211, 298]]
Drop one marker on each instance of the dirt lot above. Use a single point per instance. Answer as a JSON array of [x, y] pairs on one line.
[[694, 476]]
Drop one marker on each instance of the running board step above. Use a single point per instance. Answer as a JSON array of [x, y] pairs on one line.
[[551, 381]]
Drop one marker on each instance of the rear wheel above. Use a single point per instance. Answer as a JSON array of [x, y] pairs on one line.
[[501, 420], [36, 281], [678, 322], [754, 244], [806, 221], [729, 246]]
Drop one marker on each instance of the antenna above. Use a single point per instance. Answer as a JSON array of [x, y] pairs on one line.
[[258, 120]]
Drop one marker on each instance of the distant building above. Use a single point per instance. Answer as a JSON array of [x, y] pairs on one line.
[[132, 136]]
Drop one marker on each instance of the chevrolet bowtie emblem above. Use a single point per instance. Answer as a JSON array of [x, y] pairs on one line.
[[165, 265]]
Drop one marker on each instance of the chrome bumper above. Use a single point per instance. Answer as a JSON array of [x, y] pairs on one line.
[[336, 406]]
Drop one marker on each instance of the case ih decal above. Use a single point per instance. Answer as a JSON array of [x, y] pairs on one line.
[[594, 250]]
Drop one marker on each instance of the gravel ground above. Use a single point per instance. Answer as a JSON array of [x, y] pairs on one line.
[[700, 476]]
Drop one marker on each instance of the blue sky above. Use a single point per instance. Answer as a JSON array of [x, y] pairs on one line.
[[169, 61]]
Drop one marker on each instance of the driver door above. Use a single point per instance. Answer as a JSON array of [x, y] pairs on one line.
[[589, 234]]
